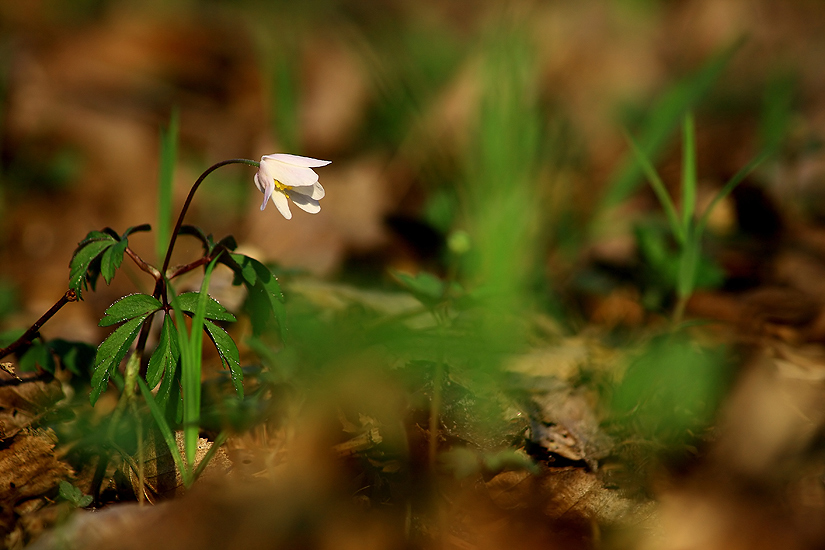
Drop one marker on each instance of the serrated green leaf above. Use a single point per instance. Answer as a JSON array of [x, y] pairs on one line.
[[87, 251], [243, 268], [129, 307], [73, 495], [166, 355], [111, 352], [95, 236], [214, 310], [230, 356], [265, 301], [68, 491], [111, 260]]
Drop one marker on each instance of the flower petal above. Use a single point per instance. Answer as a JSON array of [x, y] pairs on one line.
[[295, 160], [315, 192], [318, 192], [282, 204], [287, 174], [267, 190], [306, 203]]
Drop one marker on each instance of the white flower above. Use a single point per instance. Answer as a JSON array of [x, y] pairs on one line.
[[281, 177]]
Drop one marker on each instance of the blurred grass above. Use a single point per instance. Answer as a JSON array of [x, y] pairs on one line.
[[660, 122], [500, 187], [166, 180]]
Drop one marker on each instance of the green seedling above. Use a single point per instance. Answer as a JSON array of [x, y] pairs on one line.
[[73, 495], [685, 228]]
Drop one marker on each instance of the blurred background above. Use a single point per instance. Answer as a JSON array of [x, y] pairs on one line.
[[484, 143], [421, 106]]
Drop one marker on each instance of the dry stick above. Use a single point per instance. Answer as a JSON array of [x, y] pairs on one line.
[[34, 331]]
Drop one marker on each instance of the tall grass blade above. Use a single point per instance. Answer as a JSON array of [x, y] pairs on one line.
[[659, 188], [663, 119], [726, 190], [165, 430], [166, 173], [689, 182], [191, 373]]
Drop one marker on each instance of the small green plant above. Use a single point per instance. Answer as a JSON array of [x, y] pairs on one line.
[[685, 228], [174, 365], [73, 495]]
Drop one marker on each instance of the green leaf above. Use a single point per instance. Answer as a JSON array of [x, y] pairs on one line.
[[111, 352], [227, 242], [165, 357], [426, 287], [73, 495], [111, 260], [92, 236], [38, 355], [423, 283], [214, 310], [77, 357], [89, 249], [129, 307], [265, 301], [197, 232], [230, 356], [137, 229]]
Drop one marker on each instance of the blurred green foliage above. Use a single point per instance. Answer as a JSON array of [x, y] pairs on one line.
[[671, 389]]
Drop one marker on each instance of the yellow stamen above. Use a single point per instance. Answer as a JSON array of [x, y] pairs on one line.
[[283, 188]]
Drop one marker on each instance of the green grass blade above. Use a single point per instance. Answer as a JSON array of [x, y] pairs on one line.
[[188, 361], [689, 182], [191, 373], [663, 119], [777, 111], [659, 188], [165, 430], [166, 173], [285, 89], [726, 190], [210, 454]]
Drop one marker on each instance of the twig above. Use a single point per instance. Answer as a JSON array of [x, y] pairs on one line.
[[34, 331]]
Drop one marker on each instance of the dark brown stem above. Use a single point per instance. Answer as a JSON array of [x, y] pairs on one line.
[[181, 269], [189, 201], [160, 280], [34, 331]]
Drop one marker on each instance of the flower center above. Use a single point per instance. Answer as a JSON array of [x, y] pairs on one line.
[[282, 188]]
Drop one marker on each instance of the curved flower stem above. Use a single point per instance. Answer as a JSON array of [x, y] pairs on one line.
[[160, 281], [186, 207]]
